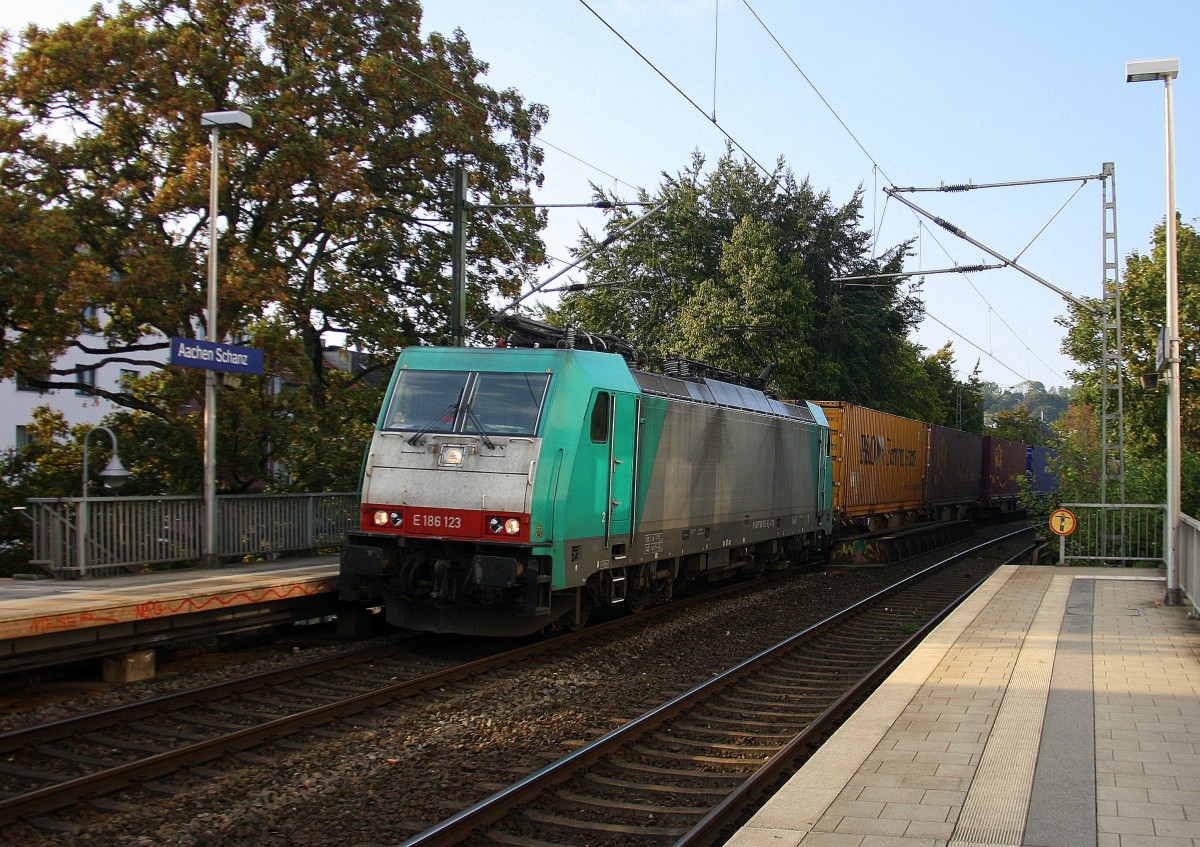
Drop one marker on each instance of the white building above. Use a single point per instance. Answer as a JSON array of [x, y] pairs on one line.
[[18, 399]]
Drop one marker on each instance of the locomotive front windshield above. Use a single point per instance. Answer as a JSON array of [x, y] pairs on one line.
[[479, 403]]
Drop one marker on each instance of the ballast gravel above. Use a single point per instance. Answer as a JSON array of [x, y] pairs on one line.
[[393, 773]]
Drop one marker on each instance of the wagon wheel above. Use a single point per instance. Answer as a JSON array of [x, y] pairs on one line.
[[637, 596]]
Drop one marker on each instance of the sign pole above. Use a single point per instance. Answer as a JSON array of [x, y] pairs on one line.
[[1063, 523], [214, 120], [208, 553]]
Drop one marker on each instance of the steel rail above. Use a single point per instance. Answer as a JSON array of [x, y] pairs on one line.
[[16, 739], [726, 812], [459, 827], [74, 790]]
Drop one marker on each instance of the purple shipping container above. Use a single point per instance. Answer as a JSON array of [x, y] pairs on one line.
[[1003, 466], [1037, 467], [954, 467]]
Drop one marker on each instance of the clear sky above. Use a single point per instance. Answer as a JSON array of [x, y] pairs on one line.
[[928, 92]]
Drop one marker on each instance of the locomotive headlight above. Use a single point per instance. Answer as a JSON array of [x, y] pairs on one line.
[[380, 517], [451, 456], [497, 525]]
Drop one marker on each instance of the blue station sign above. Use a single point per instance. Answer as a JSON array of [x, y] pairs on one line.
[[229, 358]]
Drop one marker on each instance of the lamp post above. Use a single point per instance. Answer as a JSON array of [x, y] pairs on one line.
[[213, 120], [1167, 70], [114, 476]]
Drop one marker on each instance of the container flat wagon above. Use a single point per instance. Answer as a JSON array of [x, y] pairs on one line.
[[1004, 464], [879, 466], [954, 472]]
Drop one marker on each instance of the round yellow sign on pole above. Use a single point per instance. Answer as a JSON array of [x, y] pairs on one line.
[[1062, 521]]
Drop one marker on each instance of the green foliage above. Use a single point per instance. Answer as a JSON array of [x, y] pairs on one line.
[[1036, 503], [736, 248], [331, 208], [961, 402], [51, 466], [1143, 310], [1077, 465], [1044, 404], [1020, 425]]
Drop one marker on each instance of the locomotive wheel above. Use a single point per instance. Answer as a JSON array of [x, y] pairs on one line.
[[585, 612], [637, 599]]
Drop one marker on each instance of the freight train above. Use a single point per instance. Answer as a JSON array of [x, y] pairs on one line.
[[508, 490]]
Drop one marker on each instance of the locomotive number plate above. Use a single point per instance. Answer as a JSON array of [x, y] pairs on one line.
[[456, 522]]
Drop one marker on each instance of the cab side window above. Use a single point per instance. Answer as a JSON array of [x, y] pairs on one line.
[[600, 417]]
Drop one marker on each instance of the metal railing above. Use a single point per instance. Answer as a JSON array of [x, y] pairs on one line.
[[128, 533], [1189, 560], [1115, 534], [1124, 535]]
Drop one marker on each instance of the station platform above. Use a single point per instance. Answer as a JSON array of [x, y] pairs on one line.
[[42, 621], [1057, 707]]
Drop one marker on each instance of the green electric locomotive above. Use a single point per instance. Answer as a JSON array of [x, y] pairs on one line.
[[507, 490]]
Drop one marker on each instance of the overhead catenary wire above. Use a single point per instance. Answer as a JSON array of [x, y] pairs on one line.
[[977, 347], [740, 147], [816, 90], [1053, 217], [711, 119], [608, 240], [991, 310], [877, 169]]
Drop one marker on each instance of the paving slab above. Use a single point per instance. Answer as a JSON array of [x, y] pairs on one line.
[[1056, 707]]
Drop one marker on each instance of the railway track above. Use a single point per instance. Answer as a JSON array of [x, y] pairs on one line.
[[687, 770], [51, 766]]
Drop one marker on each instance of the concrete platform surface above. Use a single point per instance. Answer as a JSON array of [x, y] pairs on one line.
[[1057, 707], [40, 607]]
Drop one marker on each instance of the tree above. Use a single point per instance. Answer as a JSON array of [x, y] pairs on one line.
[[961, 402], [1143, 310], [1020, 426], [50, 463], [334, 203], [733, 248], [1047, 405]]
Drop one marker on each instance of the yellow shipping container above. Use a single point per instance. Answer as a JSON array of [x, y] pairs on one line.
[[879, 464]]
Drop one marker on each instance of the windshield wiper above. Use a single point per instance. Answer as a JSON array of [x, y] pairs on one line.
[[451, 410], [487, 442]]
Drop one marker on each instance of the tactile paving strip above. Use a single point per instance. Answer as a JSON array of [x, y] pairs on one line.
[[993, 813]]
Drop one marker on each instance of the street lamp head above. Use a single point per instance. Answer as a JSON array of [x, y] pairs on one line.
[[115, 475], [233, 118], [1151, 69]]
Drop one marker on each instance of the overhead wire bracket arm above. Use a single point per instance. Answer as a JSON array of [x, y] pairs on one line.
[[969, 186], [961, 269], [953, 230]]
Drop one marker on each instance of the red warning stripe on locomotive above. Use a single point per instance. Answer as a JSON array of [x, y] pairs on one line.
[[446, 523]]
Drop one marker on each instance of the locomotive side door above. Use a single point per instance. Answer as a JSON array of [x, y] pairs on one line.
[[622, 472]]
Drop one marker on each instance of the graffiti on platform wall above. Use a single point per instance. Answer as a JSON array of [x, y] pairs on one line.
[[58, 623], [188, 605], [163, 608]]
